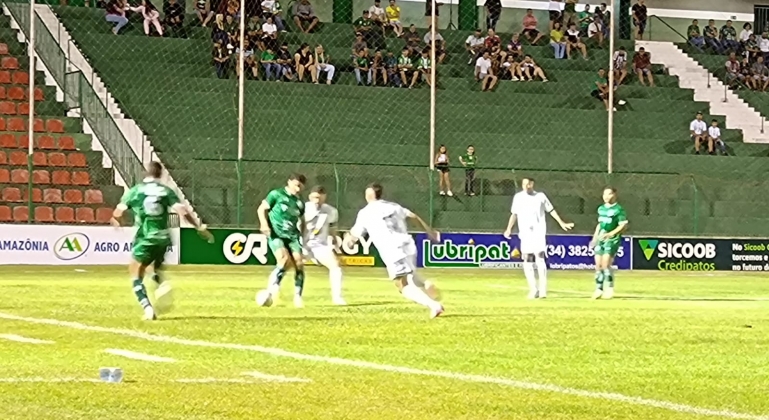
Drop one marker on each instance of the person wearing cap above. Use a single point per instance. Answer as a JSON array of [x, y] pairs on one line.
[[358, 45], [364, 23], [377, 15], [698, 132], [393, 12]]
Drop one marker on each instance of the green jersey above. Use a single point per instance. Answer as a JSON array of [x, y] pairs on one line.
[[285, 213], [599, 81], [149, 202], [611, 216], [469, 161]]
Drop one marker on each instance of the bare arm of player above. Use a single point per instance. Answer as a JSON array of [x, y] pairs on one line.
[[434, 235], [261, 212], [619, 229], [595, 236], [117, 214], [510, 224], [564, 225], [202, 229]]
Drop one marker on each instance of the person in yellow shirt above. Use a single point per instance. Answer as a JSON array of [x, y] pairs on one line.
[[393, 12]]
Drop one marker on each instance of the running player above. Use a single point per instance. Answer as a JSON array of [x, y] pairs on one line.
[[385, 223], [281, 220], [607, 239], [528, 209], [320, 224], [149, 201]]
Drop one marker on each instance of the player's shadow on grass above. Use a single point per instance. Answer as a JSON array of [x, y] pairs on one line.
[[362, 304]]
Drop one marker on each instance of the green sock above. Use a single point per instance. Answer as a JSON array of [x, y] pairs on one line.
[[599, 280], [609, 276], [299, 282], [141, 293]]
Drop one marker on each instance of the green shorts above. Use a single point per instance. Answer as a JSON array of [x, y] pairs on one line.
[[609, 247], [147, 253], [291, 244]]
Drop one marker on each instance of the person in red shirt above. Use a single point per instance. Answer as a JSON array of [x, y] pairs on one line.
[[642, 64], [530, 30]]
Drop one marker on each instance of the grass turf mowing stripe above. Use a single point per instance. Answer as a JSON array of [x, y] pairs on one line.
[[609, 396], [139, 356], [27, 340]]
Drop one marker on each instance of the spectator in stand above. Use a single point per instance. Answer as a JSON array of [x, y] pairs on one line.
[[393, 12], [642, 65], [378, 67], [728, 37], [391, 64], [221, 59], [474, 45], [233, 8], [514, 48], [469, 160], [510, 69], [747, 31], [218, 32], [233, 31], [272, 8], [440, 44], [284, 63], [639, 19], [746, 70], [530, 30], [174, 17], [304, 60], [377, 15], [323, 65], [254, 32], [270, 66], [405, 66], [493, 45], [429, 12], [554, 9], [304, 16], [270, 34], [763, 45], [604, 14], [116, 14], [583, 20], [759, 79], [442, 166], [558, 41], [203, 11], [362, 66], [595, 31], [733, 70], [484, 71], [573, 42], [694, 34], [620, 66], [751, 47], [413, 40], [363, 24], [714, 137], [424, 65], [600, 90], [698, 133], [711, 37], [249, 61], [530, 69], [569, 13], [151, 16], [493, 13]]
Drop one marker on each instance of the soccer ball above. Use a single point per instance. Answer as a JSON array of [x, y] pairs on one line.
[[263, 298], [164, 298]]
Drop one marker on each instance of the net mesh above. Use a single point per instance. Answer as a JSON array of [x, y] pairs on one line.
[[175, 97]]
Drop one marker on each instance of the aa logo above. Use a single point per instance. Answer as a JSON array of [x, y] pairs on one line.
[[648, 246], [238, 248], [71, 246]]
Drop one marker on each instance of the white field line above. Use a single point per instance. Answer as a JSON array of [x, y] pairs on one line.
[[21, 339], [273, 378], [217, 380], [532, 386], [587, 294], [46, 380], [139, 356]]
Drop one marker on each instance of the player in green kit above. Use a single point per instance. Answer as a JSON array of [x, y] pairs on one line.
[[281, 219], [149, 201], [606, 241]]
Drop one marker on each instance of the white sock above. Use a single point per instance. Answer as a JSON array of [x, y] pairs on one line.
[[335, 277], [417, 280], [528, 271], [415, 294], [542, 272]]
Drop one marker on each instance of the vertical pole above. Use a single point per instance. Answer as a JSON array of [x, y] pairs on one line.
[[432, 85], [241, 98], [610, 69], [31, 116]]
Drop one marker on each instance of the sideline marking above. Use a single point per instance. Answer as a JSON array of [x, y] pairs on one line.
[[22, 339], [139, 356], [46, 380], [273, 378], [532, 386]]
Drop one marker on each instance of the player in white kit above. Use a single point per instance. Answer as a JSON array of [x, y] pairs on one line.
[[318, 245], [528, 209], [385, 223]]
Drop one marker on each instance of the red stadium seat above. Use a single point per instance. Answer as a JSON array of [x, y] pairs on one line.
[[3, 158], [39, 95], [37, 195], [11, 194], [18, 158], [103, 214], [5, 77], [81, 178], [61, 178], [66, 143], [7, 140], [3, 49], [65, 214], [73, 196], [20, 213], [16, 93], [16, 124], [84, 215], [10, 63], [23, 109], [3, 92], [2, 124], [19, 176], [5, 176], [94, 197], [57, 159], [52, 195], [20, 78], [41, 177], [5, 214], [77, 160], [39, 125], [54, 126], [46, 142], [43, 214], [39, 159], [7, 108]]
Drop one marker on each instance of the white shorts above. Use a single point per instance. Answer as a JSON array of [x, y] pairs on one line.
[[401, 262], [321, 254], [533, 244]]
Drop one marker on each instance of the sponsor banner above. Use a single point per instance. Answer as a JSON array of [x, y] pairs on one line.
[[72, 245], [700, 254], [233, 246], [484, 250]]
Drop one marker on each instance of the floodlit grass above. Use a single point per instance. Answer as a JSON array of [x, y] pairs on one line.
[[698, 340]]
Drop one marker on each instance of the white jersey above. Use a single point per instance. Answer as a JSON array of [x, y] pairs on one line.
[[385, 223], [318, 220], [530, 210]]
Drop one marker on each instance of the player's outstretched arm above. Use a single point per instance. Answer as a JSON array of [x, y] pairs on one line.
[[510, 224], [564, 225], [117, 214], [433, 234], [202, 229], [261, 212]]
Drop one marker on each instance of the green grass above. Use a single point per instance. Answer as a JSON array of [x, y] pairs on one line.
[[679, 338]]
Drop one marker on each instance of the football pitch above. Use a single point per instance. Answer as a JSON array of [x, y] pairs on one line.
[[669, 346]]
